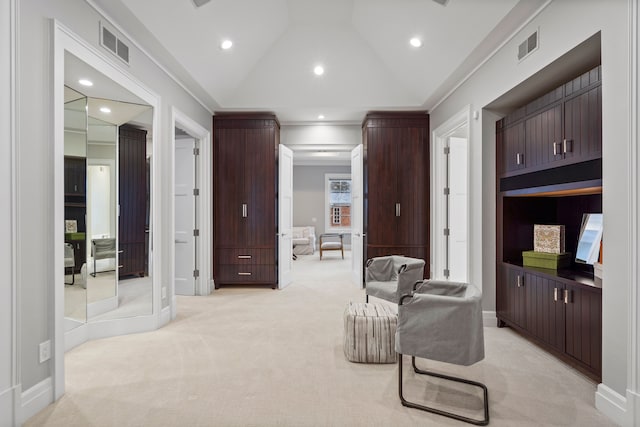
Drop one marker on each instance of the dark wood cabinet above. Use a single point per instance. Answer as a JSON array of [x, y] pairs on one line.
[[245, 205], [562, 127], [396, 184], [555, 180], [75, 176], [75, 205], [133, 199]]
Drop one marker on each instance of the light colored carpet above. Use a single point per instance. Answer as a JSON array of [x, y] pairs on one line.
[[261, 357]]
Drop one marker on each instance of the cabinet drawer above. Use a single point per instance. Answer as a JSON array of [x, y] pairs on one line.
[[249, 256], [246, 274]]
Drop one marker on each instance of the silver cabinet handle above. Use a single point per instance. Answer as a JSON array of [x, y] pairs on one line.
[[244, 274], [555, 149], [519, 157], [244, 256], [397, 209], [566, 296], [244, 210], [564, 146], [555, 294], [519, 281]]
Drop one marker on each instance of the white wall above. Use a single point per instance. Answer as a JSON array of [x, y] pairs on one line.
[[35, 161], [559, 34], [7, 290]]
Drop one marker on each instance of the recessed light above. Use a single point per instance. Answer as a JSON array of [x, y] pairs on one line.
[[415, 42], [105, 109], [320, 117], [226, 44], [318, 70], [85, 82]]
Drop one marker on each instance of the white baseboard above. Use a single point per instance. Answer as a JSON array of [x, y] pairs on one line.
[[35, 400], [7, 407], [166, 315], [76, 336], [100, 307], [612, 404], [489, 318]]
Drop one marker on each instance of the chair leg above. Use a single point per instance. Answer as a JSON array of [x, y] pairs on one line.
[[405, 402], [367, 298]]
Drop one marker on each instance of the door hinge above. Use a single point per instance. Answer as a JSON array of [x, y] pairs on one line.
[[447, 190], [446, 272], [196, 273], [196, 191], [446, 231], [196, 233], [447, 150], [196, 151]]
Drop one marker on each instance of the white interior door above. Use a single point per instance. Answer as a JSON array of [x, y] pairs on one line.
[[285, 216], [458, 209], [185, 244], [356, 216]]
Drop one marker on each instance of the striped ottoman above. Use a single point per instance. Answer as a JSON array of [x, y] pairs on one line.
[[370, 332]]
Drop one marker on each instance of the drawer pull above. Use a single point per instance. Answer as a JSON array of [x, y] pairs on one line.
[[244, 274], [244, 256], [555, 294]]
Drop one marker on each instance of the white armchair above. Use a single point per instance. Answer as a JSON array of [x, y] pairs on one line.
[[303, 240], [70, 261]]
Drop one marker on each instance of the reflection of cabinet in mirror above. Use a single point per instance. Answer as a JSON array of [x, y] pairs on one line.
[[133, 201], [75, 172]]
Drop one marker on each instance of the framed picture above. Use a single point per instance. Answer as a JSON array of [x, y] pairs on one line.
[[70, 226]]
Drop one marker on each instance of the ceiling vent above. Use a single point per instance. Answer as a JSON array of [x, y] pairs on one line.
[[529, 45], [199, 3], [112, 43]]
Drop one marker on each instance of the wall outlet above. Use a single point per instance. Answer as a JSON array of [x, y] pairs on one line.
[[45, 351], [164, 292]]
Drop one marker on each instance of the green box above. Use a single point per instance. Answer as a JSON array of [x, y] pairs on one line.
[[74, 236], [546, 260]]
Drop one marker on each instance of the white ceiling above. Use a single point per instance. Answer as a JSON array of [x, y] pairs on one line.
[[363, 45]]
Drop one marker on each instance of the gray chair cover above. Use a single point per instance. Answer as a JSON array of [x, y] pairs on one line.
[[102, 249], [390, 277], [443, 322], [69, 256]]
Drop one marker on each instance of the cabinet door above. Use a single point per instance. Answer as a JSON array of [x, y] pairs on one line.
[[584, 325], [545, 309], [229, 188], [513, 151], [583, 126], [512, 297], [75, 176], [413, 187], [259, 187], [382, 161], [543, 138]]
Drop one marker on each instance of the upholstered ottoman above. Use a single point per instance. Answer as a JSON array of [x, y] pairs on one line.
[[369, 333]]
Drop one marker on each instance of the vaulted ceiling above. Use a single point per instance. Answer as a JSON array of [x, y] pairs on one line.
[[363, 46]]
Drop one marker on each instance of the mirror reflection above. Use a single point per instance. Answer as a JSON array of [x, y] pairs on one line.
[[107, 198]]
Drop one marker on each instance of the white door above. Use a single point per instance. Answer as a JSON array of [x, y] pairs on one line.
[[458, 209], [285, 216], [185, 244], [356, 216]]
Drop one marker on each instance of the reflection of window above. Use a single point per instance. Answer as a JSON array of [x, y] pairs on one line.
[[339, 201]]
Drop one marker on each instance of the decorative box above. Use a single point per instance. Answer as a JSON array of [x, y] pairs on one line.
[[546, 260], [548, 238]]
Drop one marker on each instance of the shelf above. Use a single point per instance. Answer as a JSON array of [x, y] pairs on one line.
[[581, 188], [580, 277], [75, 205]]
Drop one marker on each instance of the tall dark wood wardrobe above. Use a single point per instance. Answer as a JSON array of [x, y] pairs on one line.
[[396, 184], [133, 198], [245, 153]]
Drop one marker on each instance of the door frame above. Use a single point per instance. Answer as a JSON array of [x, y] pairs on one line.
[[438, 179], [204, 211]]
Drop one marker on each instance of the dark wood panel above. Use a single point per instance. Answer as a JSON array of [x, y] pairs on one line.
[[259, 187], [583, 126], [584, 325], [75, 175], [514, 145], [246, 256], [545, 310], [246, 274], [412, 173], [131, 259], [382, 183], [133, 194], [229, 152]]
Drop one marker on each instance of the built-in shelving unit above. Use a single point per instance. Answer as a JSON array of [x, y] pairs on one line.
[[549, 171]]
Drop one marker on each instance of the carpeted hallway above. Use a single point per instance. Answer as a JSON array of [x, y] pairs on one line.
[[262, 357]]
